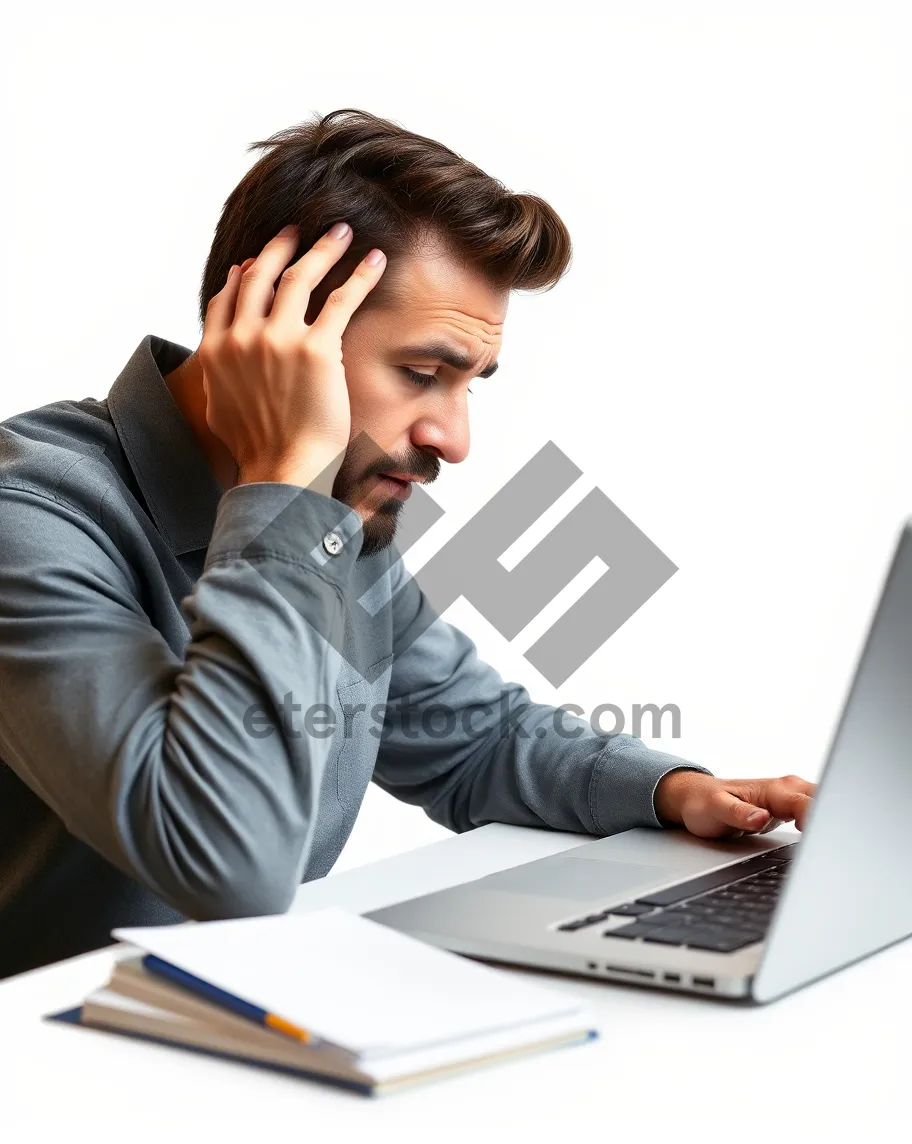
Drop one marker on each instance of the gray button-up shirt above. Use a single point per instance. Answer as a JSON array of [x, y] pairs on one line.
[[159, 638]]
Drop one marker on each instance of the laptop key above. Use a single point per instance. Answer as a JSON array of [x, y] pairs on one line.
[[633, 930], [730, 921], [716, 941], [722, 941], [589, 920], [681, 917], [630, 909], [724, 899], [669, 935]]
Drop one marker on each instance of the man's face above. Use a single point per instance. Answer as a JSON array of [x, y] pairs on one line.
[[404, 425]]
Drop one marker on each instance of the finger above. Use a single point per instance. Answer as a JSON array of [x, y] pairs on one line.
[[785, 799], [345, 299], [803, 806], [802, 786], [256, 290], [300, 279], [727, 808], [220, 311]]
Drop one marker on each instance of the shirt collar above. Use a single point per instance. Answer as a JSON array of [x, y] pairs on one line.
[[179, 488]]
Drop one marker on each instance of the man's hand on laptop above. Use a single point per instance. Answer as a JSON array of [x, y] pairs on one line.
[[720, 808]]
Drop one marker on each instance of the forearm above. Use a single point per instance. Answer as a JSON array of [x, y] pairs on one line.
[[150, 758], [540, 767], [504, 758]]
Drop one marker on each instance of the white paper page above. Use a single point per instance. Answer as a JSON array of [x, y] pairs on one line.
[[349, 980]]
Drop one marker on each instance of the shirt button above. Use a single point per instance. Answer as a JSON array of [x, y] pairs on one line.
[[332, 542]]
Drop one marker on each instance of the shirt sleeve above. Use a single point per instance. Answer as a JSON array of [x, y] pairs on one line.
[[471, 749], [145, 754]]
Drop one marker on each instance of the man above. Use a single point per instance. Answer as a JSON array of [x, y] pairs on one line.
[[181, 567]]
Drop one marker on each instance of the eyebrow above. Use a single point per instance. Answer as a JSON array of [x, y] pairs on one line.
[[448, 355]]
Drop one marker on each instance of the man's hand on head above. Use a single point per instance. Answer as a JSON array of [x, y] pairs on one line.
[[725, 808], [276, 390]]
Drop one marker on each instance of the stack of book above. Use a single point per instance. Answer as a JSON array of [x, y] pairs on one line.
[[327, 995]]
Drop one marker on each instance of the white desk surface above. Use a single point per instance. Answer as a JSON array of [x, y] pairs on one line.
[[828, 1062]]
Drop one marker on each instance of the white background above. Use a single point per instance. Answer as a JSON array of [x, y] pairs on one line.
[[728, 358]]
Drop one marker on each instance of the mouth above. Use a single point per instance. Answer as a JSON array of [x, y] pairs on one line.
[[398, 487]]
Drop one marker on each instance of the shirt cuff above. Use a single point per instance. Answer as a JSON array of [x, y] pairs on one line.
[[270, 520], [624, 782]]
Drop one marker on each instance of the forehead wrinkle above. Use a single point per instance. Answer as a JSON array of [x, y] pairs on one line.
[[488, 335], [471, 350], [454, 313]]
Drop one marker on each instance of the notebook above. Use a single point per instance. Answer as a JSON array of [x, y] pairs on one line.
[[328, 995]]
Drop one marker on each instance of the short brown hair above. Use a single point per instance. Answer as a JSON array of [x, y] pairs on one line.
[[395, 189]]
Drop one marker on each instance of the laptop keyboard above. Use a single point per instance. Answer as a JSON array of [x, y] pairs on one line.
[[722, 911]]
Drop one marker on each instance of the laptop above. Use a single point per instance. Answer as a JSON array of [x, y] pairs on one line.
[[751, 918]]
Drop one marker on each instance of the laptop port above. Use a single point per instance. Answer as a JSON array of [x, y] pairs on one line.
[[706, 982], [627, 969], [673, 977]]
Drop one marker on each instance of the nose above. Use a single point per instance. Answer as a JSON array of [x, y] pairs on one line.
[[445, 431]]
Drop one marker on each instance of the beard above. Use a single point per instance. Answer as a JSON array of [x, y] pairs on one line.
[[355, 486]]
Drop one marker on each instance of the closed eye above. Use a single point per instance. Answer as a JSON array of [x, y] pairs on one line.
[[424, 380]]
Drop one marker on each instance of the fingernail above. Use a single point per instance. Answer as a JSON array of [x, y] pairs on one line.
[[375, 257], [756, 816], [340, 230], [288, 231]]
